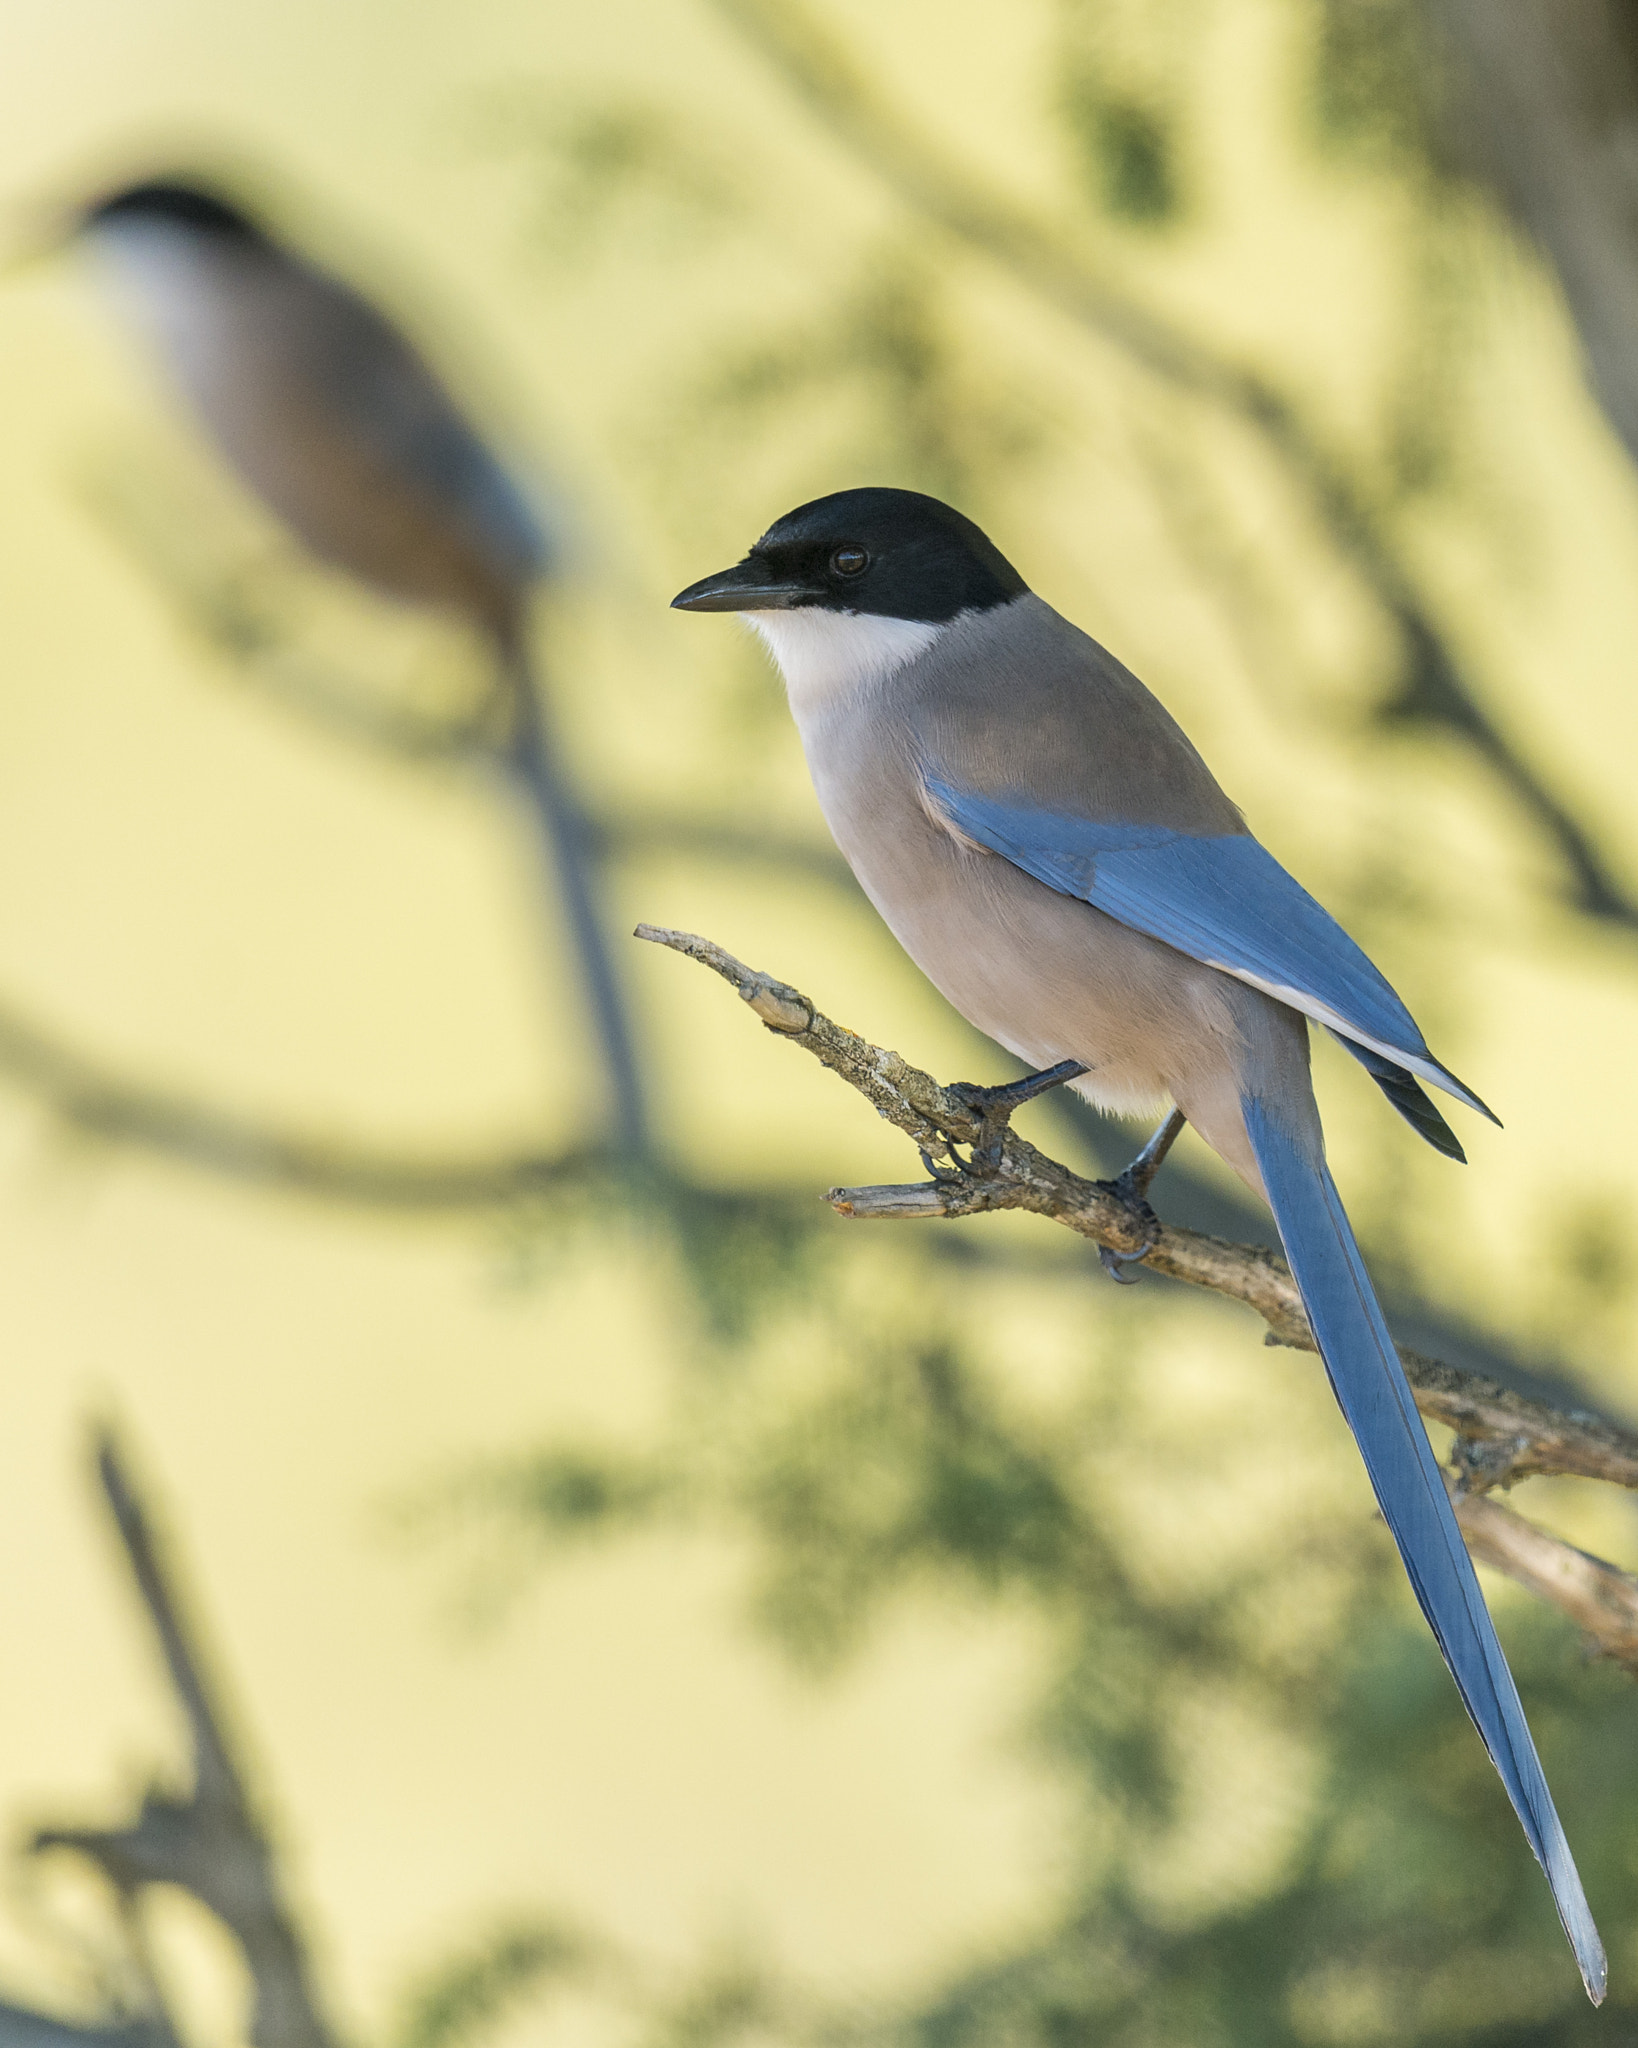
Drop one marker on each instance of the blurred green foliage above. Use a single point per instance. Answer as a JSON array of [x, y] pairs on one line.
[[1272, 1823], [465, 1999], [1373, 82], [1275, 1824]]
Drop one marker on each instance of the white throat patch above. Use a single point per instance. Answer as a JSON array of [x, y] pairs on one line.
[[823, 653], [176, 284]]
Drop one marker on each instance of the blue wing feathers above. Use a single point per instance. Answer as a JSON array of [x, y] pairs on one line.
[[1230, 901], [1224, 900], [1372, 1392]]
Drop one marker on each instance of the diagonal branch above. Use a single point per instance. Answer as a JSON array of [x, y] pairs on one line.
[[1501, 1435], [22, 2026], [1599, 1598], [106, 1106], [210, 1841], [1059, 269], [102, 1103]]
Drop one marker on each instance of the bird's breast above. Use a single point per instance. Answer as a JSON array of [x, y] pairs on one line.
[[1046, 976]]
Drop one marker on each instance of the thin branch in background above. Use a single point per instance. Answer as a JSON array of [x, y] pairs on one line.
[[113, 1109], [210, 1842], [1061, 271], [97, 1102], [509, 730], [239, 611], [531, 756], [1501, 1436], [1207, 538], [637, 834], [1540, 102]]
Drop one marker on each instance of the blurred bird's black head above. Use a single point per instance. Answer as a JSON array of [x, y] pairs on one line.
[[880, 553], [174, 202]]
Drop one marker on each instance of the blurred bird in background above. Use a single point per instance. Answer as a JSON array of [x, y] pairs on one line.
[[1056, 857], [334, 420]]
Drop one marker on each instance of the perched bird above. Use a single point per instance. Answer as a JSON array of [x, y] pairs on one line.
[[1050, 849], [332, 418]]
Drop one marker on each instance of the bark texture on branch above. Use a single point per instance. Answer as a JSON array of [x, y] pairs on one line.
[[1500, 1435], [1597, 1596]]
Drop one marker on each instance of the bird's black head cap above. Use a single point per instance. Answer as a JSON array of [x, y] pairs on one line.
[[176, 202], [888, 554]]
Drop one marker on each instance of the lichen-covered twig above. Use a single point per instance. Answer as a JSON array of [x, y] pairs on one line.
[[1500, 1435]]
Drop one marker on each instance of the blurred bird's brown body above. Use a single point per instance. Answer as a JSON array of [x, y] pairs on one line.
[[337, 424], [332, 419]]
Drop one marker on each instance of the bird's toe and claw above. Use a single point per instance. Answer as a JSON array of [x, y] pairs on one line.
[[1144, 1219], [992, 1110], [1131, 1189]]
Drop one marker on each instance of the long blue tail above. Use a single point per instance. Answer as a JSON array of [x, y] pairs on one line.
[[1370, 1386]]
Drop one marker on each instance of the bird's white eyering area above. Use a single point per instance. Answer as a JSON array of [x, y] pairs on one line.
[[821, 652]]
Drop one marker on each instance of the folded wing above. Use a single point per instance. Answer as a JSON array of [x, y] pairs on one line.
[[1224, 900]]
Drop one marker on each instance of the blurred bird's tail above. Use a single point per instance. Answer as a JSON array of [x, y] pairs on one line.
[[1370, 1386]]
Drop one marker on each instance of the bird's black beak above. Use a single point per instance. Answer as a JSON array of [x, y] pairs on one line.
[[747, 587]]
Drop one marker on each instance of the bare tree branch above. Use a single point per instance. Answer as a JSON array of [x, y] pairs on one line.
[[1501, 1435], [22, 2027], [1596, 1596], [668, 833], [210, 1842], [1061, 270], [319, 697], [109, 1107], [106, 1106], [531, 757], [1543, 102], [509, 730]]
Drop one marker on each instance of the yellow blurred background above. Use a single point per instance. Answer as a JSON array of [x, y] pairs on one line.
[[724, 313]]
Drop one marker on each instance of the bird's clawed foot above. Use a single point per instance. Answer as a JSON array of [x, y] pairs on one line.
[[1132, 1189], [992, 1109]]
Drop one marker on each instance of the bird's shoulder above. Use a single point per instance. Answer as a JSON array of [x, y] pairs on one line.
[[1018, 702]]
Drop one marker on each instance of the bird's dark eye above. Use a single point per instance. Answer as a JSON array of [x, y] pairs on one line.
[[849, 561]]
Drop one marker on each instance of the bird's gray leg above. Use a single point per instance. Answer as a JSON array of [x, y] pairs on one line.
[[994, 1107], [1136, 1178], [1133, 1188]]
